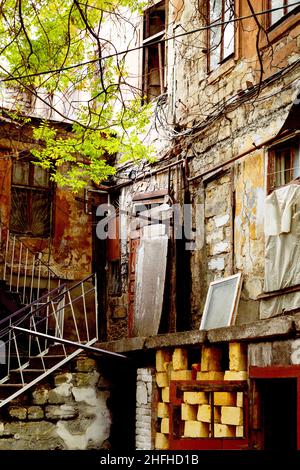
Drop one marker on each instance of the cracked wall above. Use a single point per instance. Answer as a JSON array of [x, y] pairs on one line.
[[68, 249], [68, 411]]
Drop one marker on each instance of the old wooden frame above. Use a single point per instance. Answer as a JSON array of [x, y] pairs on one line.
[[290, 145], [149, 47], [31, 187], [234, 304], [207, 14]]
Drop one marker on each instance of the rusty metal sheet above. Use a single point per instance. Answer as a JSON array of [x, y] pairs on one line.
[[150, 280]]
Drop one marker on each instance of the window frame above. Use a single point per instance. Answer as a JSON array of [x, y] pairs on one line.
[[286, 15], [150, 41], [223, 60], [290, 143], [31, 187]]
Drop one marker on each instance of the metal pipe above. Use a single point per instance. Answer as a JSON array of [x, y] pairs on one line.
[[12, 263], [237, 157]]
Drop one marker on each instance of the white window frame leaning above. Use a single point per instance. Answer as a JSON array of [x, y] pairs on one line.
[[234, 304]]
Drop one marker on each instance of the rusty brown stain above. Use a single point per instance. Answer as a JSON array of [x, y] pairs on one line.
[[178, 6]]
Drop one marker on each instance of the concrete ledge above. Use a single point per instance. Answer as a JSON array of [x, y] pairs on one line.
[[262, 330], [176, 339], [123, 345]]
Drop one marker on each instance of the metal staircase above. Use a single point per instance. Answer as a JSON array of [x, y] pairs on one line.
[[24, 276], [43, 323], [44, 335]]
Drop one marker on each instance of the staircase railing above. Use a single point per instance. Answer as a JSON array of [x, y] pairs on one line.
[[23, 270], [61, 316]]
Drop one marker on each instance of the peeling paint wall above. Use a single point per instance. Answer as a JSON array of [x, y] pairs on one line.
[[68, 250], [227, 206], [249, 230], [218, 228], [68, 412]]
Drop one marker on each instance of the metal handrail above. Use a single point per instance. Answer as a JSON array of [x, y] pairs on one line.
[[29, 332], [23, 269], [29, 249], [35, 302]]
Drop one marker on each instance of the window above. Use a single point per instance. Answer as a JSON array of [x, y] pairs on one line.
[[30, 199], [220, 39], [154, 54], [284, 164], [276, 15]]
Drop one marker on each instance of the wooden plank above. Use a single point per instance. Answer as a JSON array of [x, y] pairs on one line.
[[274, 372], [275, 293], [150, 195]]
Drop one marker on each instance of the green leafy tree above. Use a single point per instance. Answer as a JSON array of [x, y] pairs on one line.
[[59, 46]]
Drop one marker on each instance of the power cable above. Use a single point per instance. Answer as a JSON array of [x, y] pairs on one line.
[[159, 41]]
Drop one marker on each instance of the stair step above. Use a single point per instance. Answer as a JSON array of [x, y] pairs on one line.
[[59, 349], [8, 389], [49, 361], [28, 375]]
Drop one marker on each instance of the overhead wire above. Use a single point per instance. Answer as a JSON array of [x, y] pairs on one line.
[[159, 41]]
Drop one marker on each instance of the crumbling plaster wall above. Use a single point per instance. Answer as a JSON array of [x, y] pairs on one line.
[[228, 209], [195, 94], [68, 250], [68, 411]]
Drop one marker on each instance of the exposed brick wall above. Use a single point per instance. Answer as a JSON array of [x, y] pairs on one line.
[[144, 415]]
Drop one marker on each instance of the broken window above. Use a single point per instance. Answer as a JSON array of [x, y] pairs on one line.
[[277, 15], [284, 164], [220, 39], [154, 51], [31, 198]]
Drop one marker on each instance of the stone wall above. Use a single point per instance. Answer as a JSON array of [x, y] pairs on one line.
[[218, 228], [144, 414], [67, 411]]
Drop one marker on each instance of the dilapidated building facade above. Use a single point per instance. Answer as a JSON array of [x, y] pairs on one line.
[[222, 199]]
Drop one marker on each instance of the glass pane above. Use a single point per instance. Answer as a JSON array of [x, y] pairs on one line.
[[20, 173], [19, 216], [40, 216], [157, 19], [276, 15], [215, 11], [215, 47], [220, 304], [279, 170], [296, 165], [228, 30], [40, 176], [291, 7]]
